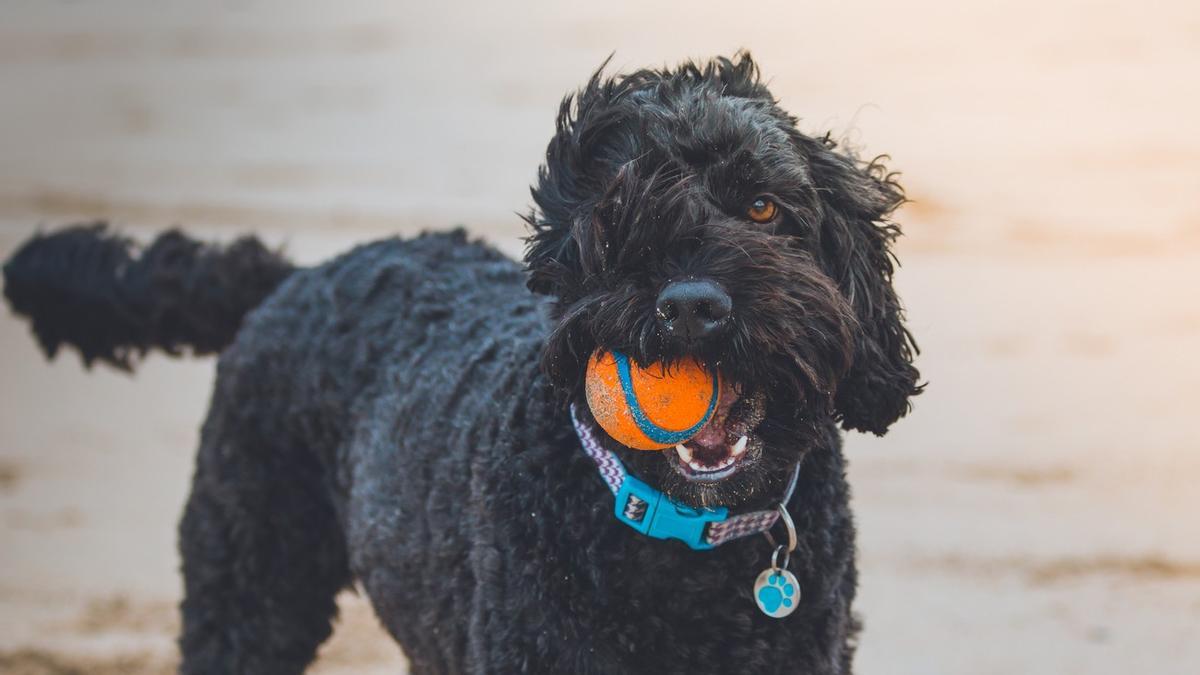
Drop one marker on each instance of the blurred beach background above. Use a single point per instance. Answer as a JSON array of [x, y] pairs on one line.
[[1037, 513]]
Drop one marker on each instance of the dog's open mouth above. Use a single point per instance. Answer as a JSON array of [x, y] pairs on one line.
[[726, 443]]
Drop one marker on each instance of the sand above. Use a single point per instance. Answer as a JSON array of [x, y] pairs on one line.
[[1037, 513]]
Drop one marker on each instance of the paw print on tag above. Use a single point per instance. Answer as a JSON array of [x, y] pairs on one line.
[[777, 593]]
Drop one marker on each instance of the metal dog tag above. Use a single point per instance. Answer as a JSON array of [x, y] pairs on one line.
[[776, 592]]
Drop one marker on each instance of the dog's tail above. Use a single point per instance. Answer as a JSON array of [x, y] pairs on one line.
[[94, 289]]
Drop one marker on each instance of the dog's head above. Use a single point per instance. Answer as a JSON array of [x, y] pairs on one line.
[[680, 212]]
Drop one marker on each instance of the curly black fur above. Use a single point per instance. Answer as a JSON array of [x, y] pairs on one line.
[[397, 416], [84, 286]]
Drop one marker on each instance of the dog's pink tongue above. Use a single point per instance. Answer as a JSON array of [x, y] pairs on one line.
[[712, 435]]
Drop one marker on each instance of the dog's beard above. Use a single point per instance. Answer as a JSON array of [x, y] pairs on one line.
[[775, 398]]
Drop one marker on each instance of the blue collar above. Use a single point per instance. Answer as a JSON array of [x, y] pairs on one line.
[[656, 515]]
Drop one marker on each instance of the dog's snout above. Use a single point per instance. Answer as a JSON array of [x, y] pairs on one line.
[[693, 308]]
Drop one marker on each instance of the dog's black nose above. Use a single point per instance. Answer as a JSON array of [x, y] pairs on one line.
[[693, 308]]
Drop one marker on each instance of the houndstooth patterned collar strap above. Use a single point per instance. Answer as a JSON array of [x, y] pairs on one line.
[[652, 513]]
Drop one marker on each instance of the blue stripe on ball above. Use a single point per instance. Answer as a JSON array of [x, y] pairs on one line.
[[653, 431]]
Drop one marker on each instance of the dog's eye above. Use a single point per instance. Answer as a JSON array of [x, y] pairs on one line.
[[762, 210]]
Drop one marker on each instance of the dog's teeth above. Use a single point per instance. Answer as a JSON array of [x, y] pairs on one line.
[[687, 456], [740, 446]]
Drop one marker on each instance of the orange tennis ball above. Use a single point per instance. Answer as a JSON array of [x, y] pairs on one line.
[[650, 408]]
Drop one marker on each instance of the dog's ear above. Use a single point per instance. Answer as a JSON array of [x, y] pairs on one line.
[[573, 175], [855, 200], [550, 255]]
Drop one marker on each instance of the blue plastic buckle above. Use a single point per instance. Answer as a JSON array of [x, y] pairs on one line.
[[662, 518]]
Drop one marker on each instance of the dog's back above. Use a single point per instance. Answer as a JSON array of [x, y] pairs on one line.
[[418, 330]]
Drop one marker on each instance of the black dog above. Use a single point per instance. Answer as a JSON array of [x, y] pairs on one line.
[[402, 415]]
